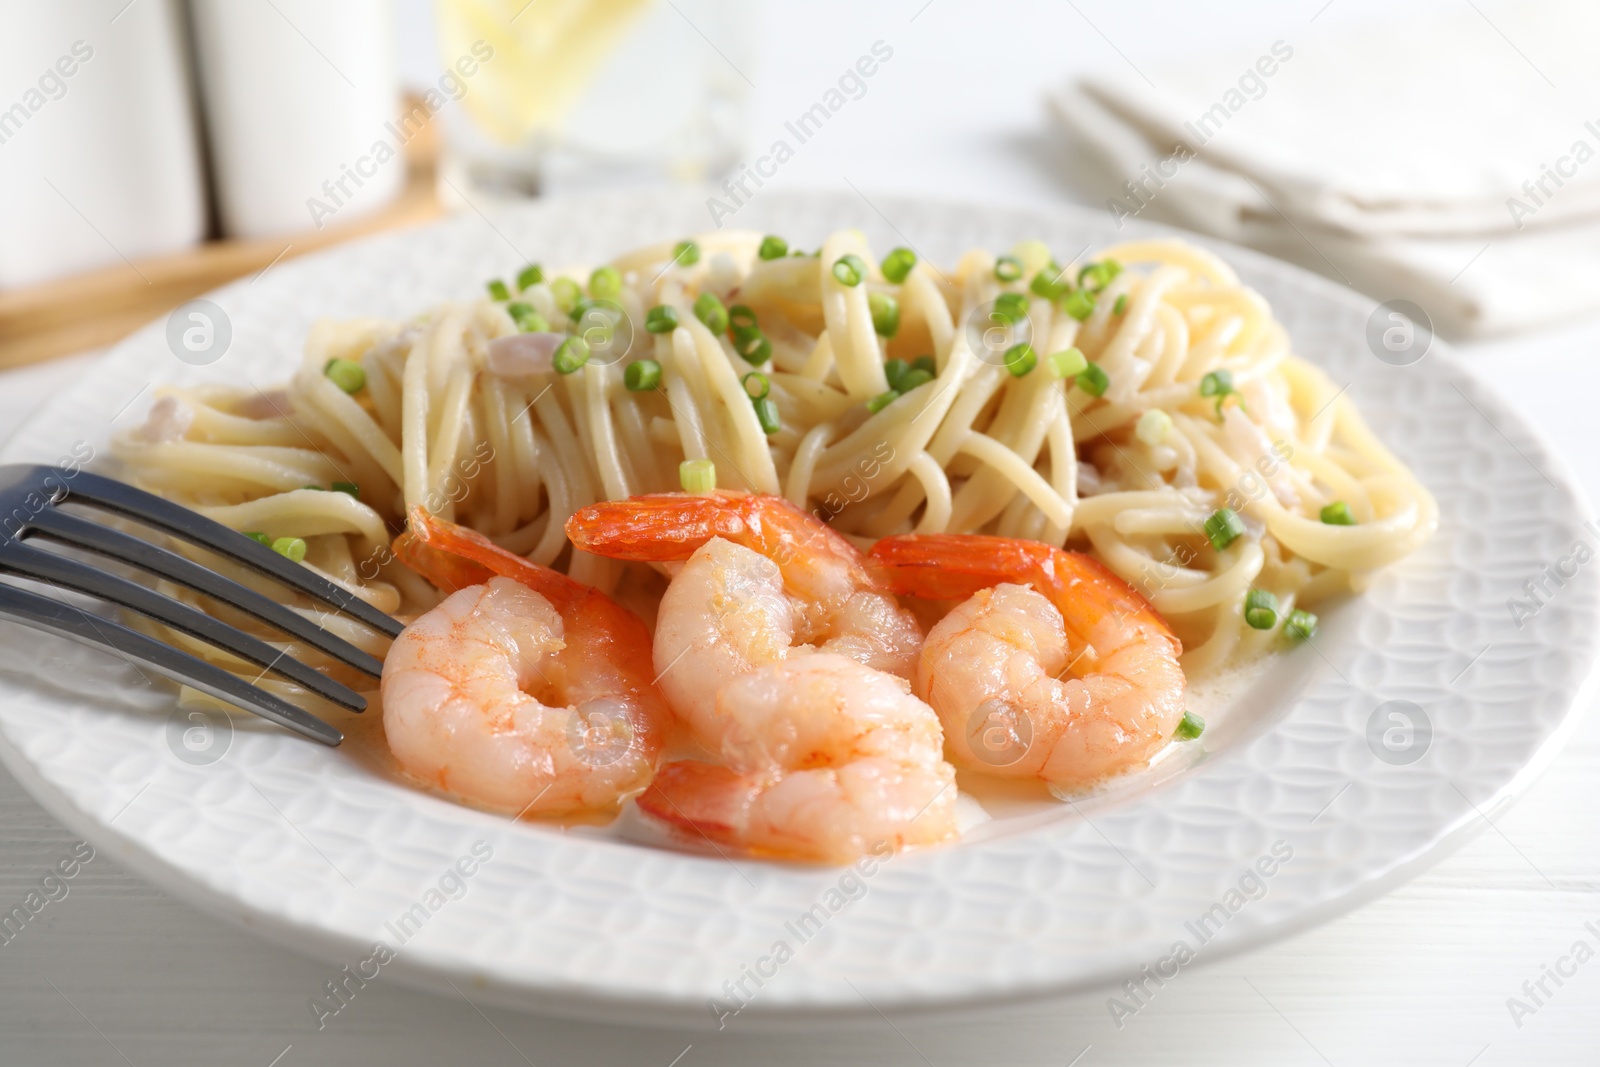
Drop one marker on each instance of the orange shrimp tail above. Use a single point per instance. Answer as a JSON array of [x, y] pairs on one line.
[[704, 798], [954, 566], [659, 527], [453, 557]]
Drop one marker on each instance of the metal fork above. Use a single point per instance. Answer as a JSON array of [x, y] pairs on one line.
[[30, 499]]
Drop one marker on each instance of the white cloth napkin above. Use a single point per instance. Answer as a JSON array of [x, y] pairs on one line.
[[1449, 158]]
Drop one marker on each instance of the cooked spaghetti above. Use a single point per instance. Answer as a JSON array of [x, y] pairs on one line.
[[1142, 405]]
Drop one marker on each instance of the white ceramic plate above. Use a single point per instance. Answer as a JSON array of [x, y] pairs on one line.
[[314, 848]]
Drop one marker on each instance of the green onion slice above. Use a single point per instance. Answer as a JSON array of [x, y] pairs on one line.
[[1190, 727], [697, 475], [849, 269], [1260, 609], [572, 354], [663, 318], [1223, 528], [881, 401], [530, 276], [1079, 304], [1020, 359], [642, 375], [1094, 380], [885, 313], [756, 385], [1008, 268], [686, 253], [1338, 514], [897, 265], [1300, 625], [347, 374], [498, 290], [290, 547], [767, 415], [1068, 363], [605, 283], [773, 247], [709, 310]]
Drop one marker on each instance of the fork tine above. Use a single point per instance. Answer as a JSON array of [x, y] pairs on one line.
[[179, 521], [82, 533], [73, 574], [64, 620]]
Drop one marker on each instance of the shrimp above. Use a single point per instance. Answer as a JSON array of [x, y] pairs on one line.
[[523, 691], [763, 581], [791, 662], [1032, 612], [824, 759]]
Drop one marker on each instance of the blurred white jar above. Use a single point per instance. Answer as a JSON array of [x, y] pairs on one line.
[[297, 94], [99, 158]]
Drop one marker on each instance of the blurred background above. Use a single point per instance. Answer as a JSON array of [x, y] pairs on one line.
[[1438, 151]]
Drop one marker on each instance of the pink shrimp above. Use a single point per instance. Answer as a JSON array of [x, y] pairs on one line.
[[991, 667]]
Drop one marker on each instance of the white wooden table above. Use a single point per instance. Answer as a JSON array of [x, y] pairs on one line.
[[117, 972]]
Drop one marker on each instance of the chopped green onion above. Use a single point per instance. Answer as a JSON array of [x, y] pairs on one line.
[[566, 292], [1190, 727], [1068, 363], [1096, 276], [897, 265], [605, 283], [527, 319], [642, 375], [709, 310], [530, 276], [1094, 380], [1223, 528], [1079, 304], [1048, 283], [293, 548], [773, 247], [755, 349], [1300, 625], [570, 355], [895, 370], [1153, 426], [347, 374], [849, 269], [914, 378], [697, 475], [1010, 308], [258, 537], [1217, 383], [686, 252], [881, 401], [663, 318], [1260, 609], [1338, 514], [1020, 359], [767, 415], [1008, 268], [314, 488], [1121, 305], [885, 313], [756, 385], [498, 290], [926, 363], [742, 319], [348, 487]]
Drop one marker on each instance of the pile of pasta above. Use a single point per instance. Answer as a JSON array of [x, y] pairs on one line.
[[1141, 404]]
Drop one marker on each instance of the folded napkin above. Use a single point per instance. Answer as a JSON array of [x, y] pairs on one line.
[[1449, 158]]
